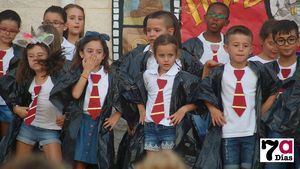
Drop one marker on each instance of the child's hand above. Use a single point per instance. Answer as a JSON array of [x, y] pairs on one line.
[[217, 117], [111, 122], [142, 117], [208, 66], [60, 120], [142, 112], [177, 116], [88, 63], [21, 111]]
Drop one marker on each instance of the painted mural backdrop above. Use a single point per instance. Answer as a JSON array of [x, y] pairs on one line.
[[251, 13]]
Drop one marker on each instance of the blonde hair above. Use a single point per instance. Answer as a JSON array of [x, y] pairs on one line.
[[162, 160]]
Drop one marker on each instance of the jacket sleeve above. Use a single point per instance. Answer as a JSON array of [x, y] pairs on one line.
[[269, 82], [206, 89], [137, 94], [191, 64], [193, 46], [125, 80]]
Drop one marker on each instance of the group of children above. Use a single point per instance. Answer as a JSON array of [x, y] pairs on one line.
[[62, 93]]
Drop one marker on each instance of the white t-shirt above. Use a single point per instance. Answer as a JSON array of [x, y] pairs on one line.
[[68, 48], [222, 55], [150, 79], [257, 58], [152, 63], [102, 89], [244, 125], [6, 59], [46, 112], [292, 67]]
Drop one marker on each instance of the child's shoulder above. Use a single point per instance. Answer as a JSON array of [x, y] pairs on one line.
[[186, 76], [138, 49]]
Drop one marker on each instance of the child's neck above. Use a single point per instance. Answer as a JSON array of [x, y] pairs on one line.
[[4, 46], [72, 38], [214, 37], [161, 71], [287, 61], [238, 65], [97, 68], [40, 77]]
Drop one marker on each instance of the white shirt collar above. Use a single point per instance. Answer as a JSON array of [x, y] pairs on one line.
[[172, 71], [100, 72], [147, 48]]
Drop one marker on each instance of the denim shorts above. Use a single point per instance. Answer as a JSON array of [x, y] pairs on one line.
[[31, 135], [238, 152], [159, 137], [5, 114]]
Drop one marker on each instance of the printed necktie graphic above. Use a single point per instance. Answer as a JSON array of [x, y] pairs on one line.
[[2, 54], [239, 102], [32, 109], [158, 112], [94, 107], [214, 48], [285, 74]]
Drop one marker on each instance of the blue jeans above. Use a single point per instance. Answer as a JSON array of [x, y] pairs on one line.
[[31, 134], [159, 137], [274, 134], [238, 152]]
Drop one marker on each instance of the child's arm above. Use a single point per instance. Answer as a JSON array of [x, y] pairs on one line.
[[142, 112], [268, 103], [208, 66], [88, 65], [20, 111], [179, 114], [216, 115], [111, 122]]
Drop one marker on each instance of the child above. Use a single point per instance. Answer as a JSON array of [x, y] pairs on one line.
[[75, 22], [142, 58], [168, 91], [233, 94], [269, 50], [284, 115], [38, 100], [209, 44], [94, 92], [10, 23], [57, 17]]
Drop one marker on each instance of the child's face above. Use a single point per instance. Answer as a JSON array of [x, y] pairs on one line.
[[166, 56], [75, 21], [55, 19], [216, 18], [239, 48], [8, 31], [287, 44], [155, 28], [93, 49], [34, 55], [269, 47]]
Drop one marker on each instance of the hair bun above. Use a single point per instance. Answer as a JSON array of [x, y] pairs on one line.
[[101, 36]]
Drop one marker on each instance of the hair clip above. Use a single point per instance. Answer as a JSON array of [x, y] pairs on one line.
[[102, 36], [23, 39]]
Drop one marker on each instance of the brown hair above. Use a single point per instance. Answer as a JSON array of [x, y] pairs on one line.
[[52, 64], [95, 36], [170, 20], [238, 29], [266, 29], [67, 7], [165, 40]]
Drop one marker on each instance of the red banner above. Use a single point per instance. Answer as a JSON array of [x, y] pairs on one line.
[[250, 13]]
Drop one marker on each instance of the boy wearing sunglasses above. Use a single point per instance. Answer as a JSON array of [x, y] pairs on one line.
[[283, 117], [209, 44]]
